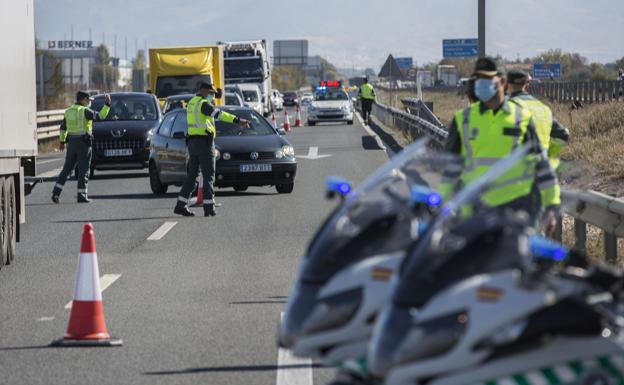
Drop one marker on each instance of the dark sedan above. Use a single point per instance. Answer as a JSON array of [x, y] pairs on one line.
[[291, 98], [122, 140], [256, 156]]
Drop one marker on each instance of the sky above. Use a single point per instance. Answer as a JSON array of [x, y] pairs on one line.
[[349, 33]]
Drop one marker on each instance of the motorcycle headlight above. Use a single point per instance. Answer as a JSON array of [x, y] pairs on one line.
[[217, 154], [333, 311]]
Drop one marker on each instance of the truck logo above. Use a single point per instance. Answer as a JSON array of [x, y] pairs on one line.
[[183, 60], [118, 133], [254, 156]]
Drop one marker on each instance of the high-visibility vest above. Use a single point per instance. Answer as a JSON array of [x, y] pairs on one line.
[[486, 138], [77, 123], [198, 123], [543, 120], [367, 92]]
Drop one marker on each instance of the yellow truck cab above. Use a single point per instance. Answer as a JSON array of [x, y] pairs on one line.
[[180, 70]]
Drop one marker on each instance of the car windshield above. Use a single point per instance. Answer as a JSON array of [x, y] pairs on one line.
[[380, 216], [243, 68], [128, 107], [331, 95], [231, 100], [259, 125], [250, 96], [177, 102], [175, 85], [290, 95]]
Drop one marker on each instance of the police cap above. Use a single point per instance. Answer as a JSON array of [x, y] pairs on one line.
[[486, 66], [207, 86], [80, 95], [517, 77]]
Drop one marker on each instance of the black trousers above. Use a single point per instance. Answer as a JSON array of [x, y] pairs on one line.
[[201, 155], [367, 106]]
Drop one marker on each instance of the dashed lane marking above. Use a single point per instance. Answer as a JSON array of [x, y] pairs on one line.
[[105, 281], [293, 370], [44, 319], [161, 231]]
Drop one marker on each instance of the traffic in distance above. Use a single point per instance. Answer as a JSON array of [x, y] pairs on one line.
[[263, 218]]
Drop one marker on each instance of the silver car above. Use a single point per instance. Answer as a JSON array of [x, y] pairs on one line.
[[330, 105]]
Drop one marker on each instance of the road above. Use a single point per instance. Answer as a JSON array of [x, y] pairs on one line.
[[196, 304]]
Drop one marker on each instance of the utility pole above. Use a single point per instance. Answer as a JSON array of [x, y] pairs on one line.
[[481, 28], [71, 63]]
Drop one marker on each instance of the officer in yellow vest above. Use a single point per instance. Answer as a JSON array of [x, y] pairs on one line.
[[553, 135], [201, 115], [367, 98], [489, 130], [76, 132]]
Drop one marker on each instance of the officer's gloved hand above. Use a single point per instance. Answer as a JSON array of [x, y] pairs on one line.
[[548, 222], [244, 123], [219, 93], [61, 146]]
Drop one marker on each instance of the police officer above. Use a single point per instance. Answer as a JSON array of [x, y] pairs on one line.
[[76, 133], [200, 116], [489, 130], [553, 135], [367, 98]]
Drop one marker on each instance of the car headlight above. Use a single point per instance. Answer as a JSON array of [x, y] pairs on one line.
[[288, 150], [344, 108], [217, 154], [333, 311], [226, 156]]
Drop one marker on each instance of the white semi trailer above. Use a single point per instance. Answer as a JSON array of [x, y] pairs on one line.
[[18, 119]]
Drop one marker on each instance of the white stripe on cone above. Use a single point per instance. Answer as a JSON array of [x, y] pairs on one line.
[[87, 279]]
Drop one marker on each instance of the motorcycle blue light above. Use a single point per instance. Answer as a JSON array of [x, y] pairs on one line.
[[338, 185], [421, 194], [546, 248], [434, 199]]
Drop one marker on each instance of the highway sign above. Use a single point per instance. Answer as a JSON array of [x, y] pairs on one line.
[[547, 70], [404, 62], [460, 47]]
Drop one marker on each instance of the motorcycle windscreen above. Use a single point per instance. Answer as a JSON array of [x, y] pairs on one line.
[[381, 215]]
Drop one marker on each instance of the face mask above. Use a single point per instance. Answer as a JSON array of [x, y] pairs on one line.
[[210, 98], [484, 89]]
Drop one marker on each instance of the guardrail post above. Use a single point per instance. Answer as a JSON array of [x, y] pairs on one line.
[[610, 244], [580, 234], [559, 229]]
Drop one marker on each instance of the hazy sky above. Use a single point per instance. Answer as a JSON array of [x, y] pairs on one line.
[[348, 32]]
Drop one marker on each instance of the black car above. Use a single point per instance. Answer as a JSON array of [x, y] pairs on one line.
[[256, 156], [176, 101], [122, 140], [291, 98]]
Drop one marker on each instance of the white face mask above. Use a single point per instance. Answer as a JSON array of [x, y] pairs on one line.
[[210, 98]]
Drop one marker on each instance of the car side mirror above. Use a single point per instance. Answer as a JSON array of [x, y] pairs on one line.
[[281, 131], [179, 135]]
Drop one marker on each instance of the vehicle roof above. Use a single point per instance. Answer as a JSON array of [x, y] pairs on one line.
[[248, 86], [126, 94], [228, 108], [180, 96]]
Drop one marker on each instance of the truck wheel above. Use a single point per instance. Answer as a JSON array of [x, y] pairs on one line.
[[155, 184], [4, 244], [285, 188], [9, 186]]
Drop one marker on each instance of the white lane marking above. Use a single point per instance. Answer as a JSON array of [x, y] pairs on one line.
[[50, 174], [161, 231], [43, 319], [372, 133], [293, 370], [313, 154], [49, 160], [105, 281]]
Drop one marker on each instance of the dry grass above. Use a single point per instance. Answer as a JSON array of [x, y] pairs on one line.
[[47, 146]]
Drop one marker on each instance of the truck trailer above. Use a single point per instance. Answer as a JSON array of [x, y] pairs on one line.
[[18, 120], [180, 70]]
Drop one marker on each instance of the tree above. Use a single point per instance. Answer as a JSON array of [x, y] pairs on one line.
[[104, 75]]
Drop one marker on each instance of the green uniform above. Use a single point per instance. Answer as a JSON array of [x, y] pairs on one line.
[[482, 137], [367, 98], [76, 131], [200, 116]]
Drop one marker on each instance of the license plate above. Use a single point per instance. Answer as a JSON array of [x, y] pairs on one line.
[[118, 152], [255, 168]]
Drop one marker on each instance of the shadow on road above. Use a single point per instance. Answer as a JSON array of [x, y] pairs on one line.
[[241, 193], [134, 196], [112, 220], [97, 176], [240, 368], [369, 143], [26, 348], [257, 302]]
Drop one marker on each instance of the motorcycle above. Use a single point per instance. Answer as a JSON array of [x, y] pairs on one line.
[[347, 272], [485, 300]]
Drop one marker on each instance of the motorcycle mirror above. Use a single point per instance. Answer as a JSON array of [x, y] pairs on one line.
[[336, 185]]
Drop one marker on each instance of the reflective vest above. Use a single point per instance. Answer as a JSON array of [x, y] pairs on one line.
[[489, 137], [198, 123], [77, 123], [367, 92], [543, 120]]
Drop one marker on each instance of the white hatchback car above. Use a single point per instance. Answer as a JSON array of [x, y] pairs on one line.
[[330, 105]]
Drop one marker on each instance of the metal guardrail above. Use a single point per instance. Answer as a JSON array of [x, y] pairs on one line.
[[417, 107], [586, 207], [49, 123], [586, 92]]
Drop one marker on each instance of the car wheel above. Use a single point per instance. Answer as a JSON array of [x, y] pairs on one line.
[[11, 214], [311, 123], [3, 224], [285, 188], [350, 122], [155, 184], [240, 188]]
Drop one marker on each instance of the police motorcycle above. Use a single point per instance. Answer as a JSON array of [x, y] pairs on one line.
[[345, 276], [498, 306]]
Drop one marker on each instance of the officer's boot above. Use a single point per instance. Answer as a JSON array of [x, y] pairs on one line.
[[82, 198], [209, 210], [181, 209]]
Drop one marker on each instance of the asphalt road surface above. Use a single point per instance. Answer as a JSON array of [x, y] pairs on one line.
[[198, 303]]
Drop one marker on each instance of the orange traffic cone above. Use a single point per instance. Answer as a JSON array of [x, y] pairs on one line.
[[286, 121], [298, 118], [273, 120], [200, 190], [86, 322]]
